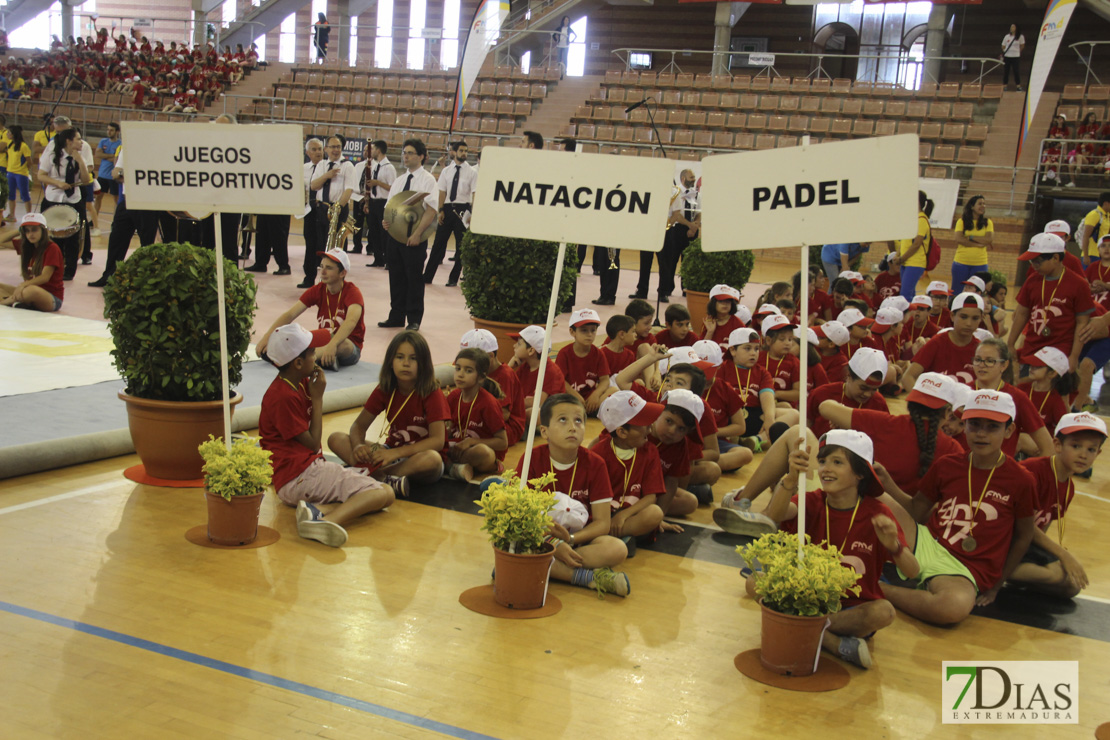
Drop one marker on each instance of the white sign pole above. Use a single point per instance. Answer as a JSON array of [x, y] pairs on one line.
[[555, 283], [222, 312], [803, 396]]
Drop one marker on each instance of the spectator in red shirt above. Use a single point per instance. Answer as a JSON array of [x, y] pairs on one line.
[[41, 265]]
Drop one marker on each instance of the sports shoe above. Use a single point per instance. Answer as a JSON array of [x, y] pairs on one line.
[[307, 512], [609, 581], [854, 650], [736, 521], [94, 232], [1070, 184], [321, 530], [753, 443], [732, 500], [702, 492], [399, 484]]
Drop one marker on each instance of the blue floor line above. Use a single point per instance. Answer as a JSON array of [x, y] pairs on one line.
[[248, 673]]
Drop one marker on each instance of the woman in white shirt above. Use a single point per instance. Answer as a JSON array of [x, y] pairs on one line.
[[564, 37], [61, 176], [1012, 45]]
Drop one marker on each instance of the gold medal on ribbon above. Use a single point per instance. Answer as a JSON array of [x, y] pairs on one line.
[[969, 544]]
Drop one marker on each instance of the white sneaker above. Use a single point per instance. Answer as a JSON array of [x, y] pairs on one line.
[[731, 500], [94, 232], [1070, 184], [735, 521], [321, 530]]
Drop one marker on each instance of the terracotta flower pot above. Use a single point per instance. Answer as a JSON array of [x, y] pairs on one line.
[[696, 303], [520, 581], [166, 433], [501, 330], [789, 644], [233, 522]]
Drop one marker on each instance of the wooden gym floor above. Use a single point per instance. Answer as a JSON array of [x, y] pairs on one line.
[[113, 625]]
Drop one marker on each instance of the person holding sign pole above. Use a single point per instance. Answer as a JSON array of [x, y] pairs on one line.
[[314, 148], [406, 261]]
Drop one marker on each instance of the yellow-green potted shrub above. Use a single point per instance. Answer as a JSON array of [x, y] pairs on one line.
[[796, 597], [517, 519], [234, 483]]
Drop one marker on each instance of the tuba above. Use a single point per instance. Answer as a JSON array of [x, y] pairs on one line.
[[337, 234]]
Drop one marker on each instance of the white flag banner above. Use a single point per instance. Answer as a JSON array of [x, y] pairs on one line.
[[485, 30], [1055, 22]]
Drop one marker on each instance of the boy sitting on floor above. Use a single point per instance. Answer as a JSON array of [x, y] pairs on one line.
[[526, 363], [584, 367]]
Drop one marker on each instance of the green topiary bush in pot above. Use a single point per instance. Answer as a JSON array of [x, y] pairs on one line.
[[702, 270], [509, 280], [161, 306]]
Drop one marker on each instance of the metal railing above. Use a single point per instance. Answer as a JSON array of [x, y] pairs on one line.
[[1041, 170], [986, 64], [1089, 58]]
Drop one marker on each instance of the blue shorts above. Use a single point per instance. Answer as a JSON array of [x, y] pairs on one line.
[[350, 359], [57, 302], [88, 193], [22, 183], [1097, 352]]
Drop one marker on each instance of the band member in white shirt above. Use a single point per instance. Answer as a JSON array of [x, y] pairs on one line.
[[332, 181], [381, 177], [456, 192], [61, 176], [406, 261]]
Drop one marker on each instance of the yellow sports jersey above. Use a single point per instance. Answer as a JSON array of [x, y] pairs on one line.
[[973, 255], [923, 230], [1099, 221], [18, 161]]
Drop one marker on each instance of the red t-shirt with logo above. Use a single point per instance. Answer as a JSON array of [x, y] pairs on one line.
[[643, 472], [720, 334], [1052, 498], [286, 413], [1009, 497], [512, 398], [1099, 271], [822, 304], [586, 482], [553, 380], [722, 401], [664, 336], [1027, 419], [331, 310], [706, 425], [896, 448], [911, 333], [940, 355], [835, 392], [409, 416], [816, 377], [617, 361], [852, 531], [784, 371], [582, 373], [481, 418], [836, 367], [1070, 296], [1049, 405], [749, 382], [53, 257], [887, 285]]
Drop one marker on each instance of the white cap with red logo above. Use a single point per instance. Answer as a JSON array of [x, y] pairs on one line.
[[938, 286], [992, 405], [1080, 422], [886, 318], [725, 292], [532, 336], [625, 407], [744, 314], [743, 336], [867, 361], [1052, 358], [858, 443], [774, 322], [339, 257], [934, 390], [921, 301], [834, 331], [1059, 227], [811, 335], [584, 316], [685, 399], [683, 355], [977, 283], [1042, 244], [852, 317], [895, 301], [482, 339], [709, 351], [968, 300]]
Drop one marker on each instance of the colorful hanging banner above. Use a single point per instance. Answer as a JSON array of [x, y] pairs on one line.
[[1056, 18], [485, 29]]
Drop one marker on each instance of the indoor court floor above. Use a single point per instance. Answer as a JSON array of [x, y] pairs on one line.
[[113, 625]]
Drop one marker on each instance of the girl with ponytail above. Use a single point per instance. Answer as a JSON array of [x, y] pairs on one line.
[[476, 437]]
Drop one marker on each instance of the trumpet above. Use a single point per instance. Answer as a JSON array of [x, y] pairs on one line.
[[337, 234]]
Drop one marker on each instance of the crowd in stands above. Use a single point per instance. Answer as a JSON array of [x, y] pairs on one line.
[[1076, 149], [155, 76]]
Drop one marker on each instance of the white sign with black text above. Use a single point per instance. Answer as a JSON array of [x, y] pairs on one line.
[[945, 195], [203, 167], [598, 199], [850, 191]]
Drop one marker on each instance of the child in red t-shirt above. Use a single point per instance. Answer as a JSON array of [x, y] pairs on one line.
[[887, 332], [720, 314], [888, 282], [1051, 385], [512, 396], [339, 310], [635, 472], [476, 439], [723, 402], [1048, 566], [617, 350], [41, 265], [584, 367], [920, 328], [859, 330], [866, 371], [408, 449], [951, 352], [992, 360], [756, 388], [971, 521], [587, 557], [845, 513], [526, 363], [1054, 304], [678, 332], [783, 367], [831, 336], [939, 294], [291, 426]]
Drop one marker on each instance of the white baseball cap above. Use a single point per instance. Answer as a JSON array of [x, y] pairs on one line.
[[982, 334], [977, 283], [1052, 358], [481, 339], [858, 443], [569, 512], [691, 402], [766, 309], [963, 299], [339, 256], [886, 318], [993, 405], [744, 314], [709, 351], [895, 301], [851, 275], [921, 301], [1042, 244], [1080, 422], [773, 322], [934, 390], [725, 292], [33, 218], [532, 336], [683, 355], [961, 394], [585, 316], [865, 362], [743, 336], [853, 316], [625, 407], [1058, 227], [288, 342], [811, 335], [938, 286], [834, 331]]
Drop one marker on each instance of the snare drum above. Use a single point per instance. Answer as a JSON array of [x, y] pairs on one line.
[[62, 221]]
